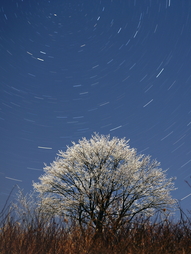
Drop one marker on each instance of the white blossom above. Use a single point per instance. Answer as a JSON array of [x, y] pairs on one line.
[[103, 180]]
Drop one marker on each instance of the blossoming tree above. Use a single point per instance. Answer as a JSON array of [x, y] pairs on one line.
[[103, 181]]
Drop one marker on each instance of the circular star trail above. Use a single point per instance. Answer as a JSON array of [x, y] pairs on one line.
[[72, 68]]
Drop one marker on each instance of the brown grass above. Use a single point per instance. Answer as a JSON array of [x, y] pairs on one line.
[[37, 235]]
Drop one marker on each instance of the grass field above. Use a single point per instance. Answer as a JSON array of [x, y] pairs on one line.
[[32, 233]]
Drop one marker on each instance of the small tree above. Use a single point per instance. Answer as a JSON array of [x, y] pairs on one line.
[[104, 182]]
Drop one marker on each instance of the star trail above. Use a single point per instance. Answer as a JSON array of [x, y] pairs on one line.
[[69, 68]]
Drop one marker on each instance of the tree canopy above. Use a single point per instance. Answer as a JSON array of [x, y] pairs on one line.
[[104, 181]]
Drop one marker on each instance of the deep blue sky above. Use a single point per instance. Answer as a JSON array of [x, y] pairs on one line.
[[73, 67]]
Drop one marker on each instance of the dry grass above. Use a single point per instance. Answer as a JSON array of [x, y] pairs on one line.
[[23, 230], [39, 235]]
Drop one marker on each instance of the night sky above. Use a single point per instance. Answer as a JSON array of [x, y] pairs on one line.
[[69, 68]]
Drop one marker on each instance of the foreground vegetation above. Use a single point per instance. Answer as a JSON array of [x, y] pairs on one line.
[[109, 193], [31, 232]]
